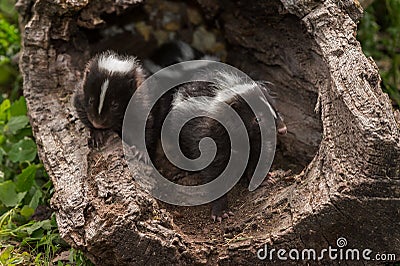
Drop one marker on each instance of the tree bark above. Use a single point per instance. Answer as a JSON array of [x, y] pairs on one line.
[[340, 124]]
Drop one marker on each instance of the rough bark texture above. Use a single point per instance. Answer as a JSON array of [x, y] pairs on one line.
[[308, 49]]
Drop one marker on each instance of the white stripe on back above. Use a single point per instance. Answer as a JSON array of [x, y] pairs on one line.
[[104, 88], [227, 87], [269, 106]]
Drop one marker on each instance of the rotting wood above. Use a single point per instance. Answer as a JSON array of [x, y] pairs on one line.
[[308, 49]]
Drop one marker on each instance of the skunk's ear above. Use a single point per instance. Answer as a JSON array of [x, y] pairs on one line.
[[92, 64], [267, 86], [132, 85], [139, 76], [268, 90], [234, 104]]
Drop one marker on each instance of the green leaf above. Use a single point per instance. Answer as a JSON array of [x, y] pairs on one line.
[[25, 179], [16, 261], [20, 196], [35, 226], [45, 224], [9, 41], [5, 255], [27, 211], [38, 235], [24, 150], [16, 123], [18, 107], [35, 199], [21, 134], [53, 220], [4, 106], [8, 195], [38, 257], [7, 6], [2, 154]]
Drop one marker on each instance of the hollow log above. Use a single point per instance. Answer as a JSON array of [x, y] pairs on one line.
[[342, 131]]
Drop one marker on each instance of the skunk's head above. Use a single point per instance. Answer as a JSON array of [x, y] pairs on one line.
[[110, 81], [231, 89], [249, 93], [279, 123], [253, 96]]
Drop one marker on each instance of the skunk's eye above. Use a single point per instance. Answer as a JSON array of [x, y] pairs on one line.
[[91, 101], [256, 120], [114, 105]]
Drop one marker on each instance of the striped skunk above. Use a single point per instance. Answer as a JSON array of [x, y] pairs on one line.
[[109, 82], [173, 52], [111, 79], [225, 89]]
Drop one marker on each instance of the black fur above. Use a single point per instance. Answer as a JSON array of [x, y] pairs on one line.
[[201, 127], [120, 90], [174, 52], [170, 53], [122, 87]]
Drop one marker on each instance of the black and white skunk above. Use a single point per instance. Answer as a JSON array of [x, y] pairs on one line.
[[109, 83], [173, 52], [224, 89], [110, 80]]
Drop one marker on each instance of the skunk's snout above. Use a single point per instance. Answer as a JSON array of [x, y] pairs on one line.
[[281, 126], [98, 122], [98, 125]]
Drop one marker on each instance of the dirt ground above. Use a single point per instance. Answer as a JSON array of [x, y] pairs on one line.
[[247, 221]]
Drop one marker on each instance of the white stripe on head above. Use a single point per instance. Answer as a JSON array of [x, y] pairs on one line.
[[112, 63], [104, 88]]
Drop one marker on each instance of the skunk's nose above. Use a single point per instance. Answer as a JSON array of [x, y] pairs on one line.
[[98, 125], [97, 122], [281, 126], [282, 130]]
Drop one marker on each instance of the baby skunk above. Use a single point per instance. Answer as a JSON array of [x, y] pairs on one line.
[[173, 52], [109, 82], [227, 89]]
